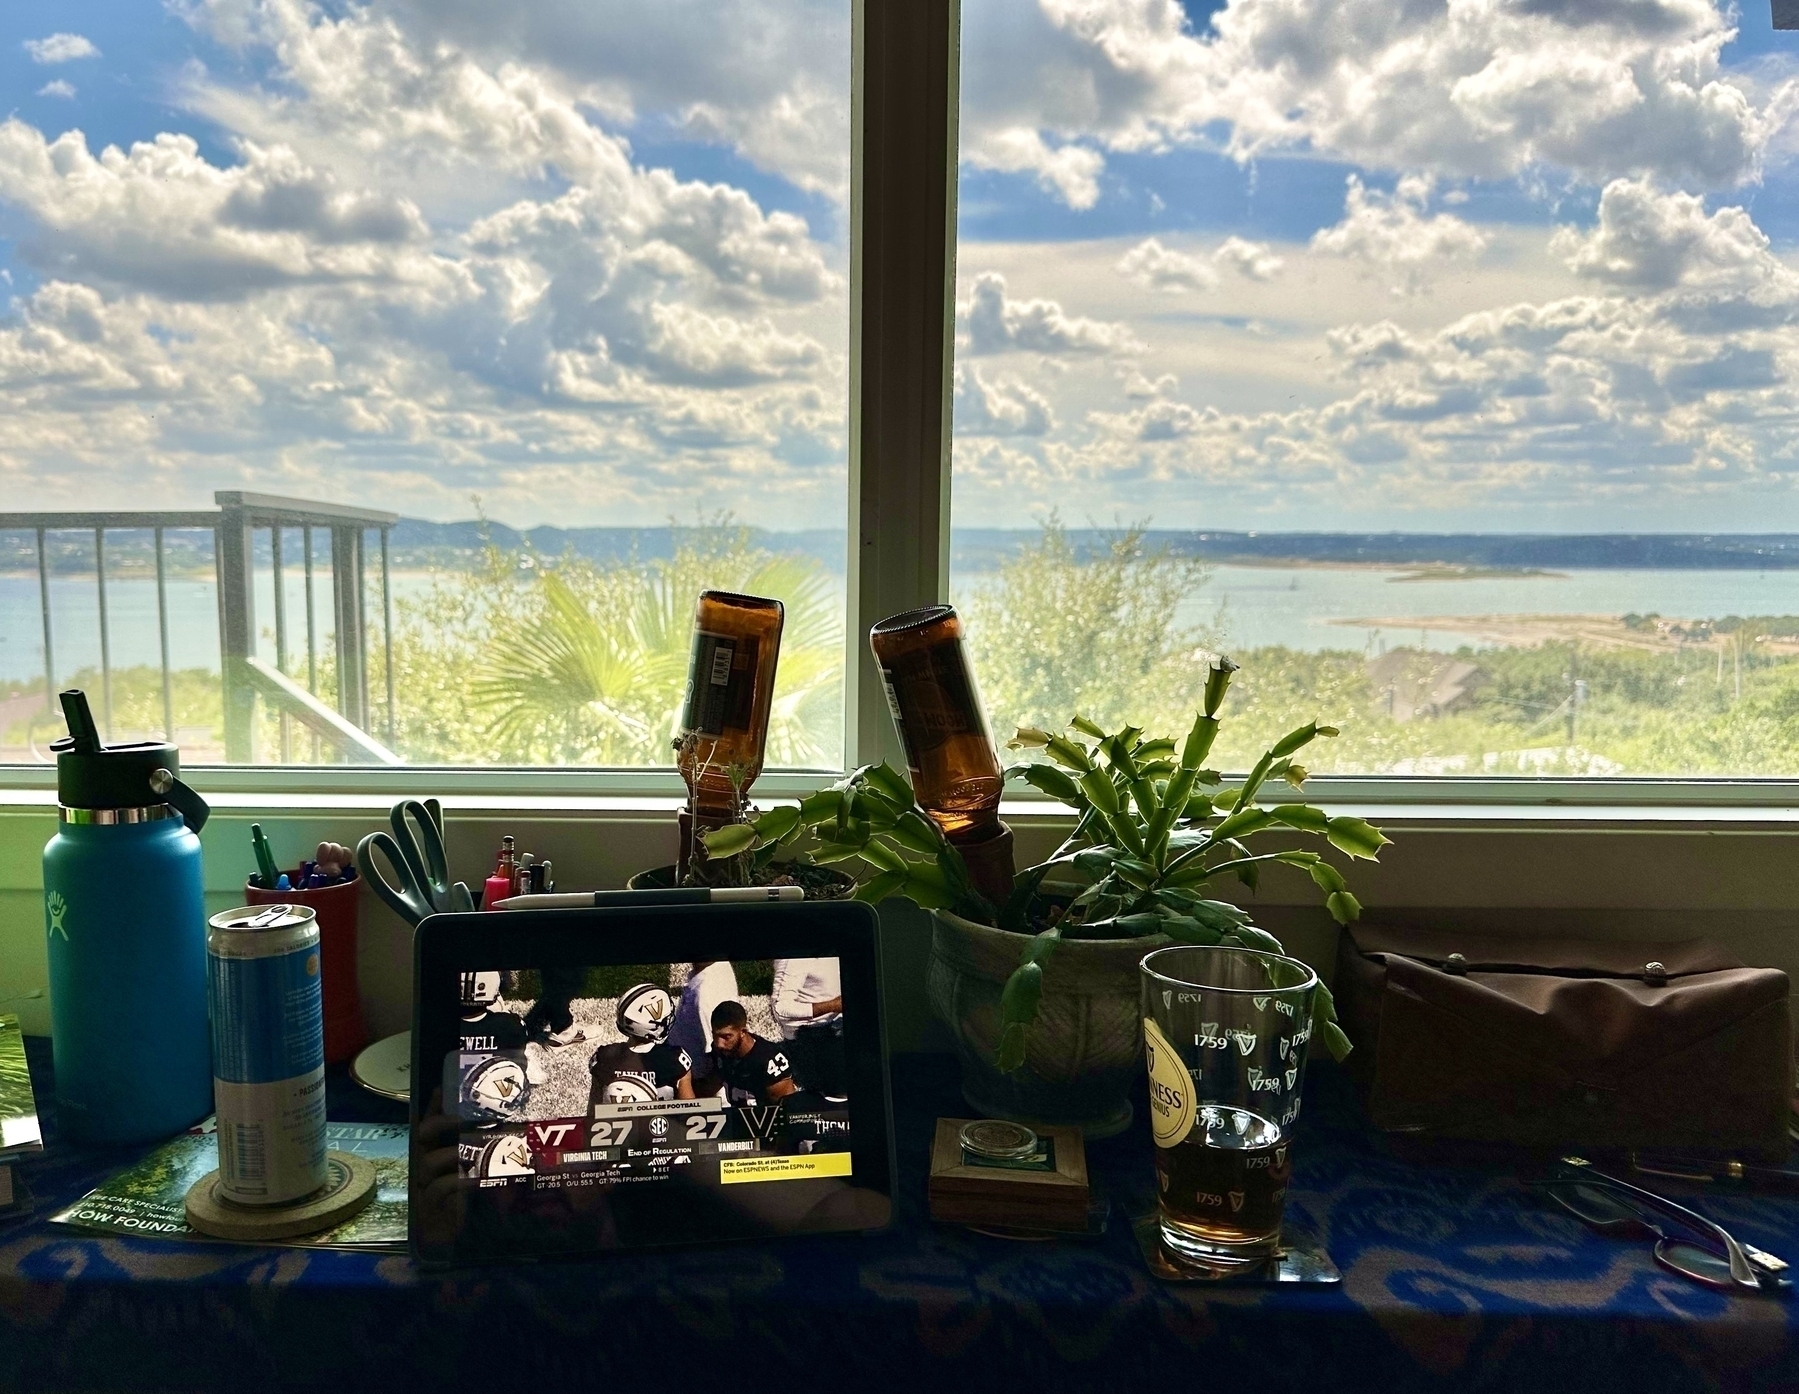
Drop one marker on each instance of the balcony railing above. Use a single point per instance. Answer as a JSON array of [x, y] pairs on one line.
[[246, 675]]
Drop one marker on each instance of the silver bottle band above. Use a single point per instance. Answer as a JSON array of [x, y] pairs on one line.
[[153, 813]]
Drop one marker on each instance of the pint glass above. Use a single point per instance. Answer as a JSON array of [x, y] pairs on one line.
[[1225, 1034]]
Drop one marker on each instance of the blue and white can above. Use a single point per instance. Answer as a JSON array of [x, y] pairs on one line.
[[268, 1052]]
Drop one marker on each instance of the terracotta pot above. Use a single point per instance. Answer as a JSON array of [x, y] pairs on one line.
[[1083, 1055]]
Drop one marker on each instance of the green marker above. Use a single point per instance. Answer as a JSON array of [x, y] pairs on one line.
[[265, 859]]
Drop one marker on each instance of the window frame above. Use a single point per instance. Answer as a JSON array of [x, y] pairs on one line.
[[904, 92]]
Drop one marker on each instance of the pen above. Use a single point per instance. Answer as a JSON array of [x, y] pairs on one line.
[[265, 859], [687, 895], [1714, 1170]]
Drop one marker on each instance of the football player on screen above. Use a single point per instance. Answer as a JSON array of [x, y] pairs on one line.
[[755, 1071], [497, 1063], [643, 1067]]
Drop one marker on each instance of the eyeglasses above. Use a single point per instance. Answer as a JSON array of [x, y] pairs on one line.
[[1685, 1241]]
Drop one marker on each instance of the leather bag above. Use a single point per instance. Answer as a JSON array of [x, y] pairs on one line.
[[1557, 1043]]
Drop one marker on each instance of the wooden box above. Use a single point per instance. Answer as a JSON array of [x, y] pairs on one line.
[[1051, 1195]]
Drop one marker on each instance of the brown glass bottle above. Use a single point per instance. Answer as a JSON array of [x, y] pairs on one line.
[[937, 707], [730, 689]]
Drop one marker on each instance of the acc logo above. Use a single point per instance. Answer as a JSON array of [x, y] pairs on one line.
[[56, 907], [1170, 1088]]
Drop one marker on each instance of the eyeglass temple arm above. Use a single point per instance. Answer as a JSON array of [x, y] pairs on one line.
[[1740, 1268]]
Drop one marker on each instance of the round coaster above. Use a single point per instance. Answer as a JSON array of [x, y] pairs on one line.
[[348, 1188], [385, 1068], [998, 1139]]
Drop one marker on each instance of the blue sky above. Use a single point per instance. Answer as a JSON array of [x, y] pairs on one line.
[[1508, 273]]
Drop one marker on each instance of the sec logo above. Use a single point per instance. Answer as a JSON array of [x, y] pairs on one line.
[[659, 1127]]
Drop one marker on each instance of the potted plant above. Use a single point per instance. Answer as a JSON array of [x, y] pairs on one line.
[[1042, 992], [741, 861]]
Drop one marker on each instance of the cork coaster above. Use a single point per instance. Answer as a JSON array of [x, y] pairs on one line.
[[349, 1187]]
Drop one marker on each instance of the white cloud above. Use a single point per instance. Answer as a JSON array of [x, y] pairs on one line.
[[1069, 171], [769, 80], [1481, 90], [381, 290], [1156, 267], [1391, 235], [60, 48], [1656, 241], [57, 88], [1004, 407], [992, 322], [1253, 259], [162, 218]]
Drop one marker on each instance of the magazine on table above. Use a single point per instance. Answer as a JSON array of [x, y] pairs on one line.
[[149, 1197]]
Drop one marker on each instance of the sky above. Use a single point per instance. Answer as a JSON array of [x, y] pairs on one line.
[[1489, 265]]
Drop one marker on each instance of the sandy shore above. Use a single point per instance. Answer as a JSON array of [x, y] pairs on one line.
[[1527, 631]]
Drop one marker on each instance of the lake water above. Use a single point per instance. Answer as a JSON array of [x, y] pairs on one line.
[[1253, 605]]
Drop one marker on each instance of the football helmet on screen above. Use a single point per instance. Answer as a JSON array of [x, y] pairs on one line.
[[505, 1155], [480, 990], [645, 1013], [496, 1088], [627, 1091]]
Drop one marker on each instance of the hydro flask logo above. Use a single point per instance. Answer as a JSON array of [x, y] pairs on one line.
[[57, 907]]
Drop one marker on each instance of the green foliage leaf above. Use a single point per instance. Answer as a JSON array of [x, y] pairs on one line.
[[1344, 907], [1199, 742], [1217, 681], [878, 888], [1053, 782], [1302, 816], [1327, 877], [890, 783], [882, 857], [1356, 837], [1251, 937], [916, 833], [1087, 727], [821, 807], [1099, 789], [1294, 740], [776, 824], [728, 841], [1018, 1002], [1028, 738], [1065, 752]]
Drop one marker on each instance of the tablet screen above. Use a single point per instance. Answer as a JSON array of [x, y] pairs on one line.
[[675, 1075]]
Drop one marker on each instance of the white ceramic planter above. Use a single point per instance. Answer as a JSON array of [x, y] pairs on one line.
[[1083, 1057]]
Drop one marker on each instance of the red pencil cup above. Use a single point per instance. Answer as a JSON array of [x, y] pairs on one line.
[[345, 1031]]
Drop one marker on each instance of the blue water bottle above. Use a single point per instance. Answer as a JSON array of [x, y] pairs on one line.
[[125, 922]]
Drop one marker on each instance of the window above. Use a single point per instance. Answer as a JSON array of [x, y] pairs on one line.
[[426, 360], [1435, 362]]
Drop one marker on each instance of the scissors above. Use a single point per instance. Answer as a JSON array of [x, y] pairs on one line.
[[415, 853]]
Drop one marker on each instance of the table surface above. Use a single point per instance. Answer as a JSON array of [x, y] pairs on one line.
[[1452, 1278]]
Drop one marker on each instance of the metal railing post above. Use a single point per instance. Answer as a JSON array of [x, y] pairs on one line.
[[387, 633], [162, 628], [105, 637], [346, 609], [237, 630], [312, 632], [43, 591], [287, 724]]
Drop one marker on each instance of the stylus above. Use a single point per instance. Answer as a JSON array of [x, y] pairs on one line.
[[686, 895]]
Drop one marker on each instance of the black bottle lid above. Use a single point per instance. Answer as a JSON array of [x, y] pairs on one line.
[[90, 774]]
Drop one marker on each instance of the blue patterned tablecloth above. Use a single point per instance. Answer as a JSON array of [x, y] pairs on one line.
[[1453, 1279]]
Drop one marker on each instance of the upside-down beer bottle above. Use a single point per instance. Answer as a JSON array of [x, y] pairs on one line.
[[942, 724], [724, 718]]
